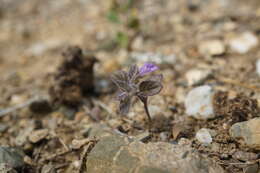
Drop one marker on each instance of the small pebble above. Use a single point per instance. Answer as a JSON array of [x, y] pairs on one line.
[[203, 136], [6, 168], [17, 99], [154, 110], [3, 127], [243, 43], [76, 164], [138, 43], [103, 86], [23, 134], [212, 47], [39, 48], [164, 136], [38, 135], [244, 156], [28, 160], [199, 102], [247, 132], [258, 67], [154, 57], [224, 156], [47, 168], [143, 137], [78, 143], [197, 76], [254, 168], [68, 112]]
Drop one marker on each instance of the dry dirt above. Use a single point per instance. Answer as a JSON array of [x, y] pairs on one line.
[[37, 40]]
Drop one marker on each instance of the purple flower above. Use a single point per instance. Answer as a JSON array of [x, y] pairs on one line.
[[147, 68], [131, 83]]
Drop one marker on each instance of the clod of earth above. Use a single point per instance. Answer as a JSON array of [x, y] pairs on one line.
[[238, 108], [74, 79]]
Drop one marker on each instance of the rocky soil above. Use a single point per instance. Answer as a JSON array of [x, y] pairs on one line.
[[58, 107]]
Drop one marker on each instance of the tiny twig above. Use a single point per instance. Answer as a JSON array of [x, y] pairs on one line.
[[88, 112], [54, 134], [16, 107], [52, 157], [234, 163], [238, 83], [61, 166], [84, 155], [63, 144]]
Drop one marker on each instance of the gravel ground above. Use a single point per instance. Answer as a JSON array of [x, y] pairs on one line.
[[56, 59]]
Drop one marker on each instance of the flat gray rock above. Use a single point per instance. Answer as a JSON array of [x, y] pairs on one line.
[[113, 154], [5, 168], [247, 132], [11, 156]]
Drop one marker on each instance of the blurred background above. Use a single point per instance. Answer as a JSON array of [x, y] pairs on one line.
[[31, 31], [194, 42]]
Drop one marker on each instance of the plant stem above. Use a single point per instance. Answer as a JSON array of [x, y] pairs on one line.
[[146, 109]]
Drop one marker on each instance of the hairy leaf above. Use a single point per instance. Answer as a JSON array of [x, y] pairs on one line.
[[133, 72], [120, 78], [124, 105], [121, 95], [149, 88]]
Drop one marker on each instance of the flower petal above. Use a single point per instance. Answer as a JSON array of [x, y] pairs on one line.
[[147, 68]]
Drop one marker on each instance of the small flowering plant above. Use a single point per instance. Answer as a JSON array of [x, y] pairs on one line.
[[137, 82]]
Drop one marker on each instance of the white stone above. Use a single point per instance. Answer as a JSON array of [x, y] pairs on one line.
[[157, 58], [138, 43], [203, 136], [212, 47], [199, 102], [258, 67], [196, 76], [39, 48], [154, 110], [243, 43], [17, 99]]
